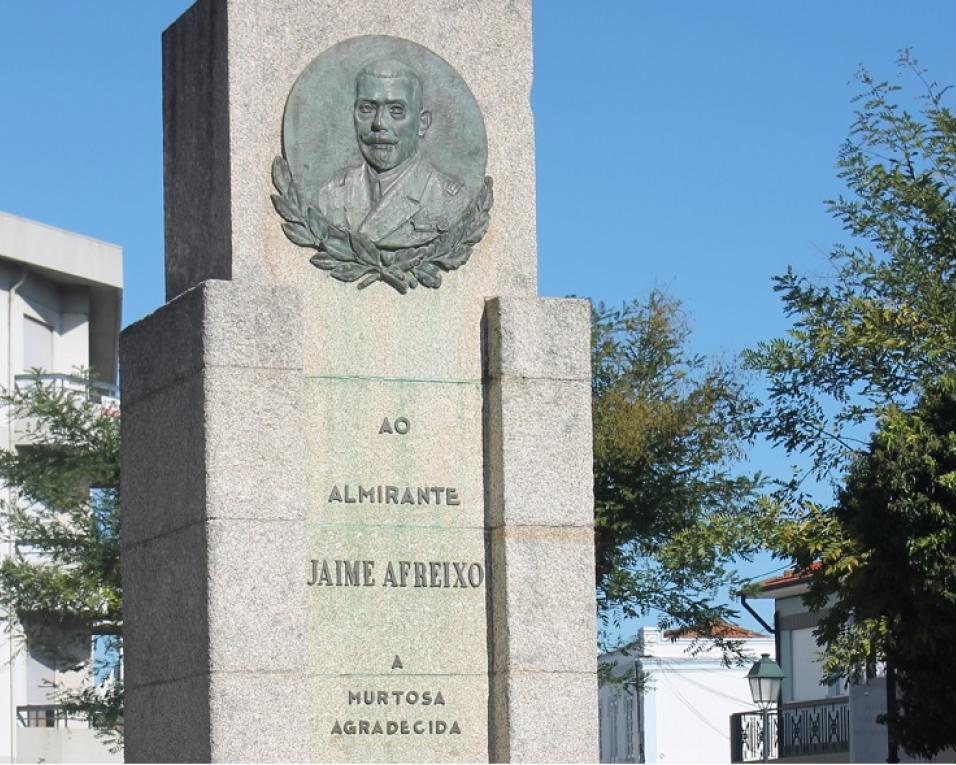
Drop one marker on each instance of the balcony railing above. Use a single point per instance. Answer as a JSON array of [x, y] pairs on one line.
[[98, 392], [815, 727], [46, 716], [746, 736], [796, 730]]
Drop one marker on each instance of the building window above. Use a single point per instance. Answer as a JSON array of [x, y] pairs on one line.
[[37, 345], [41, 718]]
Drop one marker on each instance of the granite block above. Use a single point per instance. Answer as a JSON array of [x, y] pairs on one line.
[[434, 629], [545, 338], [424, 335], [489, 43], [163, 348], [456, 706], [165, 630], [346, 447], [543, 608], [250, 325], [547, 717], [196, 162], [163, 477], [216, 323], [256, 596], [539, 451], [168, 721], [260, 717], [255, 443]]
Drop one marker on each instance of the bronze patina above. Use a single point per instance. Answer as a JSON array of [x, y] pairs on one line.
[[395, 215]]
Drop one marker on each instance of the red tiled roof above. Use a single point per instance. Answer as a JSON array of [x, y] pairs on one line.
[[793, 576], [726, 631]]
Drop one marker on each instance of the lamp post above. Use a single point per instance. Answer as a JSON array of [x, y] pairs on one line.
[[765, 677]]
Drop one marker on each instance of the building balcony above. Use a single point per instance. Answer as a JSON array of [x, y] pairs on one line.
[[22, 430], [746, 736], [97, 392], [798, 731], [46, 716], [46, 733]]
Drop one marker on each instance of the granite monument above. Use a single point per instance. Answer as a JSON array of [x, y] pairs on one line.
[[357, 523]]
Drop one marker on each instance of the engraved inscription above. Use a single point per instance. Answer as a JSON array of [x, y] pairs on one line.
[[445, 574], [401, 426], [369, 698], [390, 727], [385, 494]]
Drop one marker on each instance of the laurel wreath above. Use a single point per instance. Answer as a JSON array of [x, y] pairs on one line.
[[350, 256]]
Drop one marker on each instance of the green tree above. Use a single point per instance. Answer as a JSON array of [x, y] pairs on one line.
[[887, 555], [672, 516], [62, 585], [868, 349], [885, 322]]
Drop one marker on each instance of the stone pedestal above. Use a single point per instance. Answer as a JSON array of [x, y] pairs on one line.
[[357, 524], [539, 510]]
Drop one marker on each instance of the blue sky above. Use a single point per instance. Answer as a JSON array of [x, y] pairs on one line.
[[684, 145]]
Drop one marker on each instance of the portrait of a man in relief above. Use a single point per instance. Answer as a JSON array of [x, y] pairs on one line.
[[395, 197], [382, 171]]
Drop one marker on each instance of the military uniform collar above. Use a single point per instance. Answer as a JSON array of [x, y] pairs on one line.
[[409, 175], [400, 202]]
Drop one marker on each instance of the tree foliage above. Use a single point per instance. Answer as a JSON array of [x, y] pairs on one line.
[[672, 517], [887, 555], [885, 322], [62, 585], [875, 346]]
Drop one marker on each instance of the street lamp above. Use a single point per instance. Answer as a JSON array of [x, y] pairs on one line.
[[765, 677]]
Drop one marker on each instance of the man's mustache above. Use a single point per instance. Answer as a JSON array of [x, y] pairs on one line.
[[372, 139]]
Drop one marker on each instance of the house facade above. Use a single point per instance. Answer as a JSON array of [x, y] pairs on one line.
[[60, 302], [814, 721], [687, 695]]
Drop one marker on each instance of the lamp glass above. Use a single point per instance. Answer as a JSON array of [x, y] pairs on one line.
[[769, 689], [765, 677]]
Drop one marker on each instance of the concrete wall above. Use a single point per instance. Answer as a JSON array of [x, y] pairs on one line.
[[62, 745], [39, 304], [72, 283]]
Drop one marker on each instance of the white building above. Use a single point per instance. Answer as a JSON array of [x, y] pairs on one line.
[[814, 722], [60, 298], [689, 695]]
